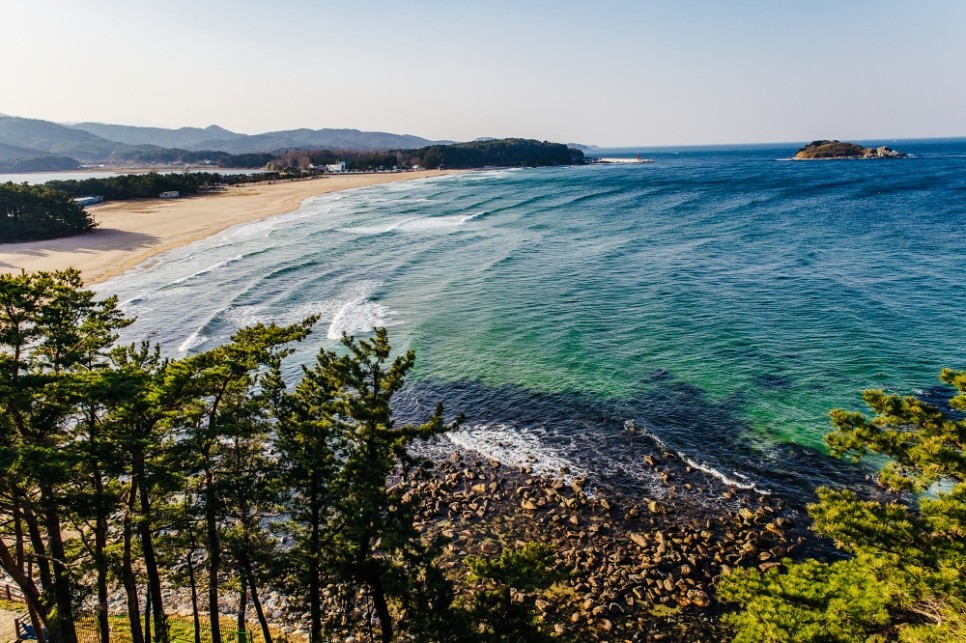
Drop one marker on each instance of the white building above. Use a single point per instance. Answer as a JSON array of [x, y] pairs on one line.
[[170, 194]]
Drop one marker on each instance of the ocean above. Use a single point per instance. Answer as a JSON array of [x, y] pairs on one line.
[[716, 303]]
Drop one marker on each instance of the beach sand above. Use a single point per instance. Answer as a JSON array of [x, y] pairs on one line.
[[130, 232]]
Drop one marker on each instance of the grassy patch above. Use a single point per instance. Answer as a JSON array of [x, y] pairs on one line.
[[182, 631]]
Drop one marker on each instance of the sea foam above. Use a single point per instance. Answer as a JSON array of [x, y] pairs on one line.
[[514, 447], [358, 316]]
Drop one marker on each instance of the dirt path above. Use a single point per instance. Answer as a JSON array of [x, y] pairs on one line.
[[7, 635]]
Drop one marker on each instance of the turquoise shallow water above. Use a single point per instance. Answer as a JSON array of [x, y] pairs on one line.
[[722, 300]]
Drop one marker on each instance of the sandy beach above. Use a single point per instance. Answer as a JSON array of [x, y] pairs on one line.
[[130, 232]]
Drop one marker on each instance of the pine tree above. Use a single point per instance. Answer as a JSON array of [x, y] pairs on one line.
[[54, 338], [354, 530], [219, 404], [905, 577]]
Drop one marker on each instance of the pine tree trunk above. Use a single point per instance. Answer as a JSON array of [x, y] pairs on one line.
[[127, 570], [194, 596], [242, 608], [150, 560], [315, 589], [100, 559], [382, 608], [61, 628], [35, 606], [147, 619], [39, 547], [214, 554], [266, 634]]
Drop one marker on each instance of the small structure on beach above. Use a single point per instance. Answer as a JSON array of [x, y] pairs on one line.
[[170, 194], [84, 201]]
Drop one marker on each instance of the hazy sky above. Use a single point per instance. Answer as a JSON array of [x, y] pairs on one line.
[[628, 72]]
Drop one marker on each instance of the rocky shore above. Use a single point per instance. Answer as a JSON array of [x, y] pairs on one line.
[[636, 568]]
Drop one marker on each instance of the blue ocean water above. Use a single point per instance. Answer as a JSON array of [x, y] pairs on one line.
[[719, 300]]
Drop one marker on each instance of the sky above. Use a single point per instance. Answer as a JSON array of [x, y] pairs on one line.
[[608, 73]]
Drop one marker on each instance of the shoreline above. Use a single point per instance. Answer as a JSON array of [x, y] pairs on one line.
[[131, 232]]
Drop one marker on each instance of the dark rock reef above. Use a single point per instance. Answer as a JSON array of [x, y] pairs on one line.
[[842, 150]]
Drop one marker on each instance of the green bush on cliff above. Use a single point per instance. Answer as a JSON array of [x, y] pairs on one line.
[[904, 577]]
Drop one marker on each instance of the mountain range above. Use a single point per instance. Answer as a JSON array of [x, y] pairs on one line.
[[23, 140]]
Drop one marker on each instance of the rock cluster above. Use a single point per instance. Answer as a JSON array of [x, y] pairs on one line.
[[639, 568]]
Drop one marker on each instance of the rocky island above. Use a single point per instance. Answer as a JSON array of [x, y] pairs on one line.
[[841, 150]]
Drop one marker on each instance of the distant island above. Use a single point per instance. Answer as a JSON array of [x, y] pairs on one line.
[[843, 150]]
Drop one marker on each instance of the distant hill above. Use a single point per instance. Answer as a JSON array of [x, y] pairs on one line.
[[50, 138], [45, 163], [185, 138], [321, 139], [22, 159], [100, 142], [9, 152], [219, 139]]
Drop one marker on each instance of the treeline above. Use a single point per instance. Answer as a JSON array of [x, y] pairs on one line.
[[513, 152], [124, 469], [55, 163], [151, 184], [218, 159], [355, 160], [32, 212]]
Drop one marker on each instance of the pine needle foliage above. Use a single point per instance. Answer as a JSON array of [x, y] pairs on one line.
[[903, 578]]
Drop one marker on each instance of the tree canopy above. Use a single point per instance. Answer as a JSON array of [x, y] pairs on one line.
[[31, 212]]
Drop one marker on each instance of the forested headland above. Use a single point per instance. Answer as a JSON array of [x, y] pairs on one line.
[[511, 152], [214, 478]]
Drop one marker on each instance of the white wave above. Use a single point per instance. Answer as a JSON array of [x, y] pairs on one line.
[[194, 340], [469, 218], [255, 229], [706, 468], [514, 447], [658, 441], [487, 175], [400, 224], [133, 301], [359, 315], [731, 482], [205, 271], [413, 224]]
